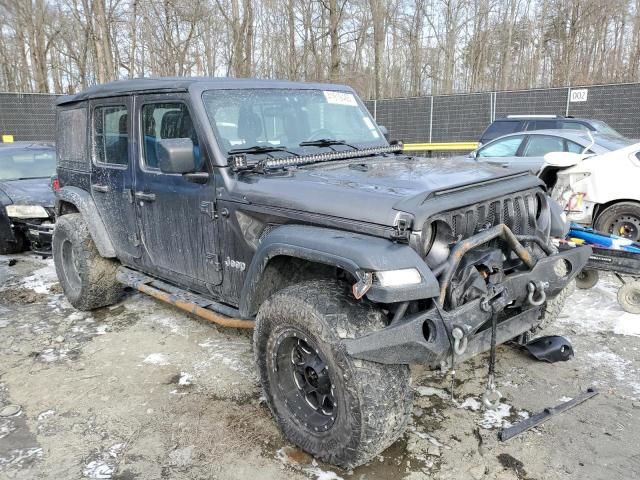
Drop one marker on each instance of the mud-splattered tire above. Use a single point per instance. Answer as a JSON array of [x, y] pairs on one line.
[[368, 405], [87, 279]]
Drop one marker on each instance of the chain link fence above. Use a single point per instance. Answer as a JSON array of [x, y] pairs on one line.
[[440, 118], [463, 118], [28, 117]]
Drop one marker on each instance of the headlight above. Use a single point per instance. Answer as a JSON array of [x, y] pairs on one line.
[[26, 211], [398, 278]]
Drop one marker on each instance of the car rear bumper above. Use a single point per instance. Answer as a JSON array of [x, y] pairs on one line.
[[428, 337]]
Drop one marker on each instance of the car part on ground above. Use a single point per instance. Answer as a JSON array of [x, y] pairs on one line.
[[316, 227], [535, 420], [551, 348]]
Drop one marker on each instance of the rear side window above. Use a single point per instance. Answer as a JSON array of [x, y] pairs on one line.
[[507, 147], [166, 120], [71, 139], [574, 126], [540, 145], [574, 147], [111, 134], [500, 128], [542, 124]]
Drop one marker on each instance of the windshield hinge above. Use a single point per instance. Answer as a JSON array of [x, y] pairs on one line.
[[402, 227], [209, 209]]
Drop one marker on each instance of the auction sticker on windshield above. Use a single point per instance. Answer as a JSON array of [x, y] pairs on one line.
[[340, 98]]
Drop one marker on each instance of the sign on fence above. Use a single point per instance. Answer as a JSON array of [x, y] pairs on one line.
[[579, 95]]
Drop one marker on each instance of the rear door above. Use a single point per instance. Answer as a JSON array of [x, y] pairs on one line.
[[112, 172], [535, 148], [176, 216]]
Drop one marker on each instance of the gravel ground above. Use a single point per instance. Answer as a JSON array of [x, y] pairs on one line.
[[140, 390]]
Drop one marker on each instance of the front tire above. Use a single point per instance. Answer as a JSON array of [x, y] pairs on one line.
[[341, 410], [87, 279]]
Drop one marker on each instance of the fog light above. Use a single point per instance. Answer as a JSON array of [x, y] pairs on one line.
[[398, 278]]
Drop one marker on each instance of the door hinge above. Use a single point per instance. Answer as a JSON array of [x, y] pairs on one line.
[[135, 239], [209, 209], [214, 259]]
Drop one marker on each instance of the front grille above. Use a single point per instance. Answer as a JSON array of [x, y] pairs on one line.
[[518, 211]]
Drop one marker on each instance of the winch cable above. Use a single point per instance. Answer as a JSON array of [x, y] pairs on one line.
[[491, 395]]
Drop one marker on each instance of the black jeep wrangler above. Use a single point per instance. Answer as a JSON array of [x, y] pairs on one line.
[[282, 206]]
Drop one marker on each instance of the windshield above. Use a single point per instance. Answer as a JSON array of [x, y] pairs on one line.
[[602, 127], [297, 122], [611, 142], [27, 162]]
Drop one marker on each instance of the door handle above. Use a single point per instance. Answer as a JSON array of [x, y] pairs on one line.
[[100, 188], [147, 197]]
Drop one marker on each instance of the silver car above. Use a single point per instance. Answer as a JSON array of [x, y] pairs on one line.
[[526, 150]]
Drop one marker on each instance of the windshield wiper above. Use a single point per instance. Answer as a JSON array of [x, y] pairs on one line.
[[325, 142], [261, 149]]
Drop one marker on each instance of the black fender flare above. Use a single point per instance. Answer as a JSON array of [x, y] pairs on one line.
[[82, 200], [352, 252]]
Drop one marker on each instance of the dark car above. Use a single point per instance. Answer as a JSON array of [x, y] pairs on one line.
[[26, 198], [526, 150], [280, 206], [525, 123]]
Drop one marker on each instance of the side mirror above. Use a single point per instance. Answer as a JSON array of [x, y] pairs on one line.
[[175, 155], [385, 131], [563, 159], [473, 154]]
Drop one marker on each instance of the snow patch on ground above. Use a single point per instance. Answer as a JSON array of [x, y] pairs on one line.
[[496, 418], [430, 391], [156, 359], [42, 279], [311, 470], [235, 355], [471, 403], [46, 414], [104, 467], [185, 378], [620, 368]]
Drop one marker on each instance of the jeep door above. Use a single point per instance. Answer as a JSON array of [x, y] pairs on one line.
[[112, 172], [175, 214]]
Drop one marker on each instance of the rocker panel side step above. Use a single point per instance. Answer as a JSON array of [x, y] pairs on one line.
[[182, 299]]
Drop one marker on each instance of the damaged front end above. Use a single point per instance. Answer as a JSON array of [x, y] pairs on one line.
[[492, 274]]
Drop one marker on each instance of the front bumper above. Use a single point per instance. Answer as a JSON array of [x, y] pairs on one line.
[[426, 337], [38, 234]]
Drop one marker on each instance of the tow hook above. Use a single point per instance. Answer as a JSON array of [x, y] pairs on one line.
[[459, 341], [537, 296]]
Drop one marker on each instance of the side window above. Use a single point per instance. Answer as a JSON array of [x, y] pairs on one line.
[[71, 139], [573, 147], [166, 120], [542, 124], [574, 126], [502, 127], [111, 134], [502, 148], [540, 145]]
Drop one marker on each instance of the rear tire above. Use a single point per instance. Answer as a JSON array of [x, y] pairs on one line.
[[339, 409], [87, 279], [622, 219]]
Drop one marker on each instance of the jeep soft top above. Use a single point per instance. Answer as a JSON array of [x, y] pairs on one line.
[[280, 206]]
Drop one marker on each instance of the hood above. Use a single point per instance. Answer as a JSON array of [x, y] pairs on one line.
[[372, 190], [32, 191]]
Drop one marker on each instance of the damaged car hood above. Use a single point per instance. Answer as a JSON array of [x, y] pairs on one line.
[[370, 189], [32, 191]]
